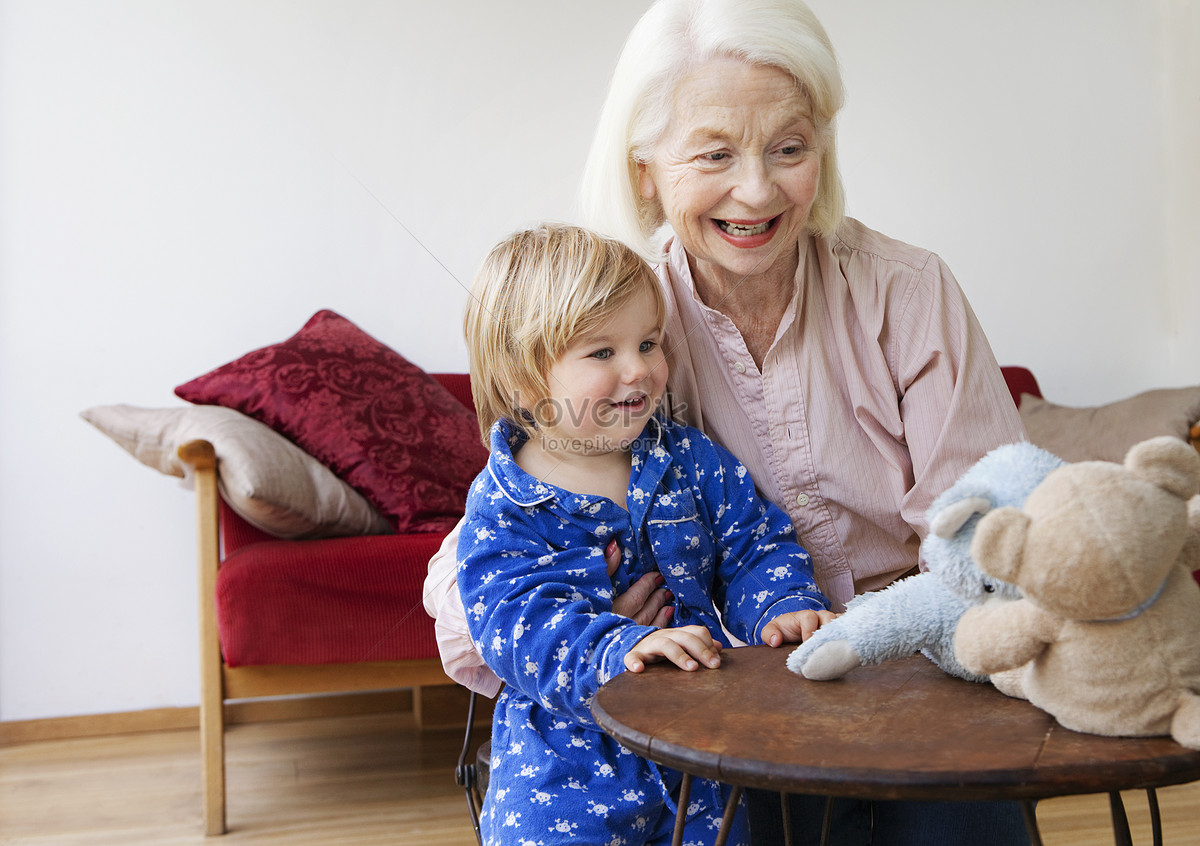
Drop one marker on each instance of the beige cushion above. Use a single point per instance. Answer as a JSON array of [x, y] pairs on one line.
[[264, 477], [1106, 432]]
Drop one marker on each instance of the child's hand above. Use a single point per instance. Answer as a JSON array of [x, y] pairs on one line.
[[687, 647], [795, 627]]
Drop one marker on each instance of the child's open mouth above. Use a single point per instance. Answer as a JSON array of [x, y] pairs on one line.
[[634, 404]]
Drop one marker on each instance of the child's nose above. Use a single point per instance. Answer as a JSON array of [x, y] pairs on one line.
[[636, 368]]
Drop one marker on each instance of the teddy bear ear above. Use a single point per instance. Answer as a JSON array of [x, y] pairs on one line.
[[1168, 462], [999, 543], [954, 516]]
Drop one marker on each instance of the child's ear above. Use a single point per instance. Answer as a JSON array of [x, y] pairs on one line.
[[529, 399]]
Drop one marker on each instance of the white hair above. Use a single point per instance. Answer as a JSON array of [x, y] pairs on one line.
[[672, 38]]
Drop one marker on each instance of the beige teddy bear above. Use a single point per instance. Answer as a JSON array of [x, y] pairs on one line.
[[1110, 620]]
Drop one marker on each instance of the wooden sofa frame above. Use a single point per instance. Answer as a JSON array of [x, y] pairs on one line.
[[220, 683]]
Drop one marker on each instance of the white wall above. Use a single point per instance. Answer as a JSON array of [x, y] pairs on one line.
[[183, 181]]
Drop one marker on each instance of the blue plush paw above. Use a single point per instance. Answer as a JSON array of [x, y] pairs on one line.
[[830, 659]]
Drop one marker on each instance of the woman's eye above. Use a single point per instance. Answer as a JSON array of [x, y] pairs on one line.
[[716, 156], [792, 149]]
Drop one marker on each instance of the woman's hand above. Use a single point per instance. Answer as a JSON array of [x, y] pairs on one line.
[[687, 647], [647, 601], [795, 627]]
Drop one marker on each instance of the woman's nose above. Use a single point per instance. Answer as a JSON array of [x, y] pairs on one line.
[[755, 186]]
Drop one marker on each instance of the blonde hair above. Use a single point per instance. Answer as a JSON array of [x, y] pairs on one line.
[[670, 40], [535, 293]]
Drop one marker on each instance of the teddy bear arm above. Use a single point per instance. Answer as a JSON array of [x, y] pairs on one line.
[[1000, 636]]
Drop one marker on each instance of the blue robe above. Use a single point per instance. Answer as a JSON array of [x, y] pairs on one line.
[[539, 607]]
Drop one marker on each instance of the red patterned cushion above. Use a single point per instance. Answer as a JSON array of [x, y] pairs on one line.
[[374, 418]]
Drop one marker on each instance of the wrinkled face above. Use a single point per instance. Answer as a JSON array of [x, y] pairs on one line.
[[737, 169], [608, 383]]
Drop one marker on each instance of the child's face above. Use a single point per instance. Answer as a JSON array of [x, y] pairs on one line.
[[608, 382]]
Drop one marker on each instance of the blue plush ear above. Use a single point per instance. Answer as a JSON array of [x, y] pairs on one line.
[[1005, 476], [947, 522]]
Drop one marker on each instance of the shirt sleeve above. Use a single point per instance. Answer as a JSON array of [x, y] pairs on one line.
[[954, 402], [541, 616], [459, 657], [762, 571]]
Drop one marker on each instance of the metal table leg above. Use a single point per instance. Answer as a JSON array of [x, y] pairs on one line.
[[1155, 816], [1121, 835], [1029, 812], [827, 821], [785, 810], [735, 796], [685, 795]]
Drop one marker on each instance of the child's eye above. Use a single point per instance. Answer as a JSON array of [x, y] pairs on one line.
[[601, 355], [647, 346]]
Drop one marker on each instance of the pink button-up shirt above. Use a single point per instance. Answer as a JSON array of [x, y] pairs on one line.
[[877, 393]]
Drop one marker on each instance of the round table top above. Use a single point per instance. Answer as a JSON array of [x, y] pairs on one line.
[[902, 730]]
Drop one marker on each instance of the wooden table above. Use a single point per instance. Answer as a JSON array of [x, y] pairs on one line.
[[903, 730]]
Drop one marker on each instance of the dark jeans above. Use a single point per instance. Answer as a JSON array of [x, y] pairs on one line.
[[891, 823]]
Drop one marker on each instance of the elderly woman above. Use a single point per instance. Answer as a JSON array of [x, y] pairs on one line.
[[843, 368]]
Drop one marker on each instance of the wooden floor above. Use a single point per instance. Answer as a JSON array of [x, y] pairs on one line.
[[345, 780]]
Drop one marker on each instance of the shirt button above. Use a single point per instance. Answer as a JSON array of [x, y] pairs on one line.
[[739, 367], [802, 500]]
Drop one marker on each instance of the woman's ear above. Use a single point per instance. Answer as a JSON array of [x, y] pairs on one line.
[[646, 186]]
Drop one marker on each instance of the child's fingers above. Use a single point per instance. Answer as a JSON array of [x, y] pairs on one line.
[[688, 647], [795, 627], [822, 617]]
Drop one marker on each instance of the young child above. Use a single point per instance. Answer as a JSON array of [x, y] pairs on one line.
[[568, 373]]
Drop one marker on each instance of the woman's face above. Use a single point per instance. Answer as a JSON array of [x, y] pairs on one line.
[[737, 169]]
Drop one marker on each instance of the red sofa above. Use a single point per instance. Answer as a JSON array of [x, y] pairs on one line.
[[290, 617], [333, 601]]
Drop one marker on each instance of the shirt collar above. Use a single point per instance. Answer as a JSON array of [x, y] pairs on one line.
[[524, 490], [649, 456]]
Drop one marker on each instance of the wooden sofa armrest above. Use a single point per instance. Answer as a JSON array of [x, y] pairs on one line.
[[201, 456]]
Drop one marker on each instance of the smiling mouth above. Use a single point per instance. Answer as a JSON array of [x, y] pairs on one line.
[[739, 230], [634, 404]]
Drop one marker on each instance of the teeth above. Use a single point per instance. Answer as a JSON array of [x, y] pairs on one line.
[[744, 231]]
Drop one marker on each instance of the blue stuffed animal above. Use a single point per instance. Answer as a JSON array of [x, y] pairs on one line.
[[921, 612]]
